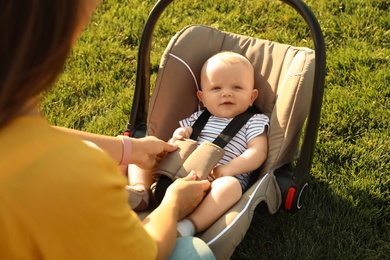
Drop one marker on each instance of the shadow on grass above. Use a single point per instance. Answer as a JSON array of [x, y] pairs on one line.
[[328, 227]]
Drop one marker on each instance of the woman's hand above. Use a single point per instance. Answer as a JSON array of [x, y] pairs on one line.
[[186, 193], [180, 199], [148, 151]]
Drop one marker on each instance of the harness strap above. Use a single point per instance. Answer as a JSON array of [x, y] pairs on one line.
[[199, 124], [230, 130]]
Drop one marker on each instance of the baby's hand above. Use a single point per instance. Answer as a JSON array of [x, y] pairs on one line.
[[220, 171], [181, 133]]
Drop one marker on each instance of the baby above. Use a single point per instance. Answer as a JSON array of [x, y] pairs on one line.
[[227, 90]]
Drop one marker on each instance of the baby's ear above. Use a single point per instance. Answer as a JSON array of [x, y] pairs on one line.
[[199, 94], [254, 95]]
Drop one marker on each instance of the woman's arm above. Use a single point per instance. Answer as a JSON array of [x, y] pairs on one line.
[[181, 198], [144, 152], [250, 160]]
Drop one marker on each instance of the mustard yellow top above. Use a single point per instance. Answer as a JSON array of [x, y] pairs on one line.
[[61, 199]]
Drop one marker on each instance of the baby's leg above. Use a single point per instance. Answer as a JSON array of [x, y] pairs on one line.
[[139, 185], [225, 192], [138, 176]]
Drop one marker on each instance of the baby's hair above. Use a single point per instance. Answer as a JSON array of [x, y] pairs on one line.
[[229, 57]]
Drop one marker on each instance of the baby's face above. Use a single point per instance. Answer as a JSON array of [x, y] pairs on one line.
[[227, 89]]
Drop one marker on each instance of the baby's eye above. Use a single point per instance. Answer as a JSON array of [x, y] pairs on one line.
[[216, 88], [237, 87]]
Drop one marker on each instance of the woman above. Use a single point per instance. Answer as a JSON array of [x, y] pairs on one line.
[[59, 197]]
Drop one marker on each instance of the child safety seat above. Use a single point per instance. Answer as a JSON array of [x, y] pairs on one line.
[[290, 81], [284, 78]]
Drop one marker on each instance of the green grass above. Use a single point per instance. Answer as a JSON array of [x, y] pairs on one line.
[[346, 215]]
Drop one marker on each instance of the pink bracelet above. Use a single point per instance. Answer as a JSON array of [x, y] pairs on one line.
[[126, 149]]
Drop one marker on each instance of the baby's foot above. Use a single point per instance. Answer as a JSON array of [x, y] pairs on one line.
[[138, 197]]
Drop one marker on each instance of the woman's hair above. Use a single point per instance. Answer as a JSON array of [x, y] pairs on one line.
[[36, 37]]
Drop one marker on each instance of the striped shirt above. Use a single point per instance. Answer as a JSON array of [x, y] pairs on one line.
[[255, 126]]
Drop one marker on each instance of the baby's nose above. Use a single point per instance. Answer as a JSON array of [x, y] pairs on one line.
[[227, 93]]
